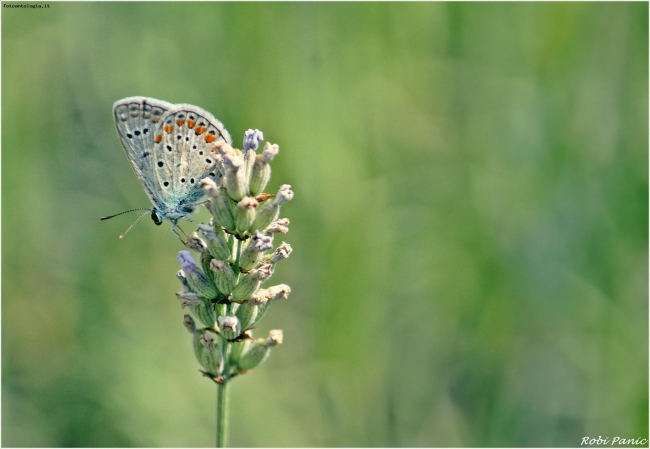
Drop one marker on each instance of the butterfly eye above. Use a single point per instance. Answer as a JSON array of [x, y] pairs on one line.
[[156, 218]]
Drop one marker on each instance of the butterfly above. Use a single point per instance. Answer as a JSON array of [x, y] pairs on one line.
[[169, 147]]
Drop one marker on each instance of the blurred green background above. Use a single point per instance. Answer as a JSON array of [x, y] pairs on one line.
[[470, 223]]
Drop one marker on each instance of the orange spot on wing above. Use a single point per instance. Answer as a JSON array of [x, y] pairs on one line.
[[210, 137], [180, 122], [199, 130], [158, 138], [168, 128], [190, 124]]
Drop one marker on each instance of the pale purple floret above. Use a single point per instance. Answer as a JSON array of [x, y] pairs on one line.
[[187, 261], [285, 194], [252, 139], [262, 242]]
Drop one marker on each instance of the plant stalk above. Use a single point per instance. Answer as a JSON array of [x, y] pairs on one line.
[[222, 413], [222, 388]]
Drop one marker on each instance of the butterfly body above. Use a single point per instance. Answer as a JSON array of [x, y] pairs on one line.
[[169, 147]]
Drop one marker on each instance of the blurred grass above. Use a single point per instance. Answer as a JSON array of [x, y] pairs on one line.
[[470, 227]]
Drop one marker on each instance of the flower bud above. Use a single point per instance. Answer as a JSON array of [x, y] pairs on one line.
[[229, 326], [261, 172], [260, 176], [221, 168], [206, 258], [221, 309], [252, 139], [195, 243], [224, 277], [220, 206], [259, 350], [255, 355], [207, 231], [270, 210], [270, 151], [246, 313], [188, 299], [266, 214], [251, 282], [200, 283], [222, 148], [263, 272], [216, 239], [262, 302], [245, 213], [235, 176], [275, 338], [197, 346], [249, 160], [180, 275], [205, 312], [278, 292], [280, 226], [252, 254], [197, 281], [281, 252], [210, 187], [237, 349], [189, 324], [264, 296], [211, 355], [284, 195]]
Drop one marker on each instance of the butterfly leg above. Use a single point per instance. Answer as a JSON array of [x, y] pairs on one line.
[[174, 226]]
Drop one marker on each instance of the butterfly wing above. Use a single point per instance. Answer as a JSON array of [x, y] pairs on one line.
[[136, 119], [182, 155]]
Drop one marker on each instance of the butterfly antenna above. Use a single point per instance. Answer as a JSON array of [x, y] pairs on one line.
[[125, 212], [136, 220]]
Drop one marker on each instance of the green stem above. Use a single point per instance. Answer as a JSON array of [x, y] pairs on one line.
[[222, 417], [222, 388], [235, 266]]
